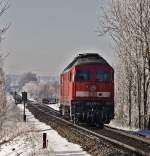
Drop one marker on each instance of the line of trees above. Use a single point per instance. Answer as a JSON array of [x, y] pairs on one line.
[[128, 24], [26, 78], [40, 90], [4, 107], [3, 101]]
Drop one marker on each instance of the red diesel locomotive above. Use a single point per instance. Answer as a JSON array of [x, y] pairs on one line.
[[87, 90]]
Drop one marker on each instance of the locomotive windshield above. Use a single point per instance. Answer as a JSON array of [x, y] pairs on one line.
[[82, 75], [103, 75]]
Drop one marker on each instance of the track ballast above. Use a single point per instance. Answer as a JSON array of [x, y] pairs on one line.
[[97, 142]]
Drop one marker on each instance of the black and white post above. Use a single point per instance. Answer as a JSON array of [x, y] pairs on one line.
[[44, 140]]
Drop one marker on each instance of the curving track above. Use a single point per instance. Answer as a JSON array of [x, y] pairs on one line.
[[127, 143]]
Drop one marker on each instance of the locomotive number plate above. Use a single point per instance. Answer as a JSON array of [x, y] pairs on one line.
[[91, 103]]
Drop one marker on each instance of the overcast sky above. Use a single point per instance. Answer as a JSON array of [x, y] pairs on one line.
[[46, 34]]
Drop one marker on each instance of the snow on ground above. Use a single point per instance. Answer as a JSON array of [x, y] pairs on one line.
[[113, 124], [145, 133], [54, 106], [30, 143], [12, 124]]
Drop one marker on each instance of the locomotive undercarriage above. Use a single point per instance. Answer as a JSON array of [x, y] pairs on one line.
[[91, 112]]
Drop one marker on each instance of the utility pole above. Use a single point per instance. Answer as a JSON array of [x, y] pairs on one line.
[[24, 99]]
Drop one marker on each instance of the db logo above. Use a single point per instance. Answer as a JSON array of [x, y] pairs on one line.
[[92, 88]]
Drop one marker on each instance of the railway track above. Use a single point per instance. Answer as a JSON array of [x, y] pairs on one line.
[[121, 140]]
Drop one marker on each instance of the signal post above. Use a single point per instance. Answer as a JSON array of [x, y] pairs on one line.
[[24, 99]]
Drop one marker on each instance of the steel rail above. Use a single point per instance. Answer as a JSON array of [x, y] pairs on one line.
[[116, 142]]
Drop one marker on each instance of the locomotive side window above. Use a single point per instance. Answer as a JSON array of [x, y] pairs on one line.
[[82, 75], [103, 75]]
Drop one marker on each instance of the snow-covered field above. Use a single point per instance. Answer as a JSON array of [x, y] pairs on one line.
[[30, 142]]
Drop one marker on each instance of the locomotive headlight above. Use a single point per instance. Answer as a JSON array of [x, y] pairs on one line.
[[104, 94]]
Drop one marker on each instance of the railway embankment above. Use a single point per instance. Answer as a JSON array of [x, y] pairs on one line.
[[94, 145]]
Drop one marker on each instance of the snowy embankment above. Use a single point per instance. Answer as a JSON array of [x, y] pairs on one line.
[[12, 123], [113, 124], [30, 142], [144, 133], [55, 106]]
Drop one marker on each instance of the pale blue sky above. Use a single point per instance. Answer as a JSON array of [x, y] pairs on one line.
[[46, 34]]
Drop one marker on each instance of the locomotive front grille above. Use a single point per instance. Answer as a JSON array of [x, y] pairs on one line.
[[100, 109]]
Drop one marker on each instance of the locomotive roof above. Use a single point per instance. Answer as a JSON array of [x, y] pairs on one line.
[[87, 58]]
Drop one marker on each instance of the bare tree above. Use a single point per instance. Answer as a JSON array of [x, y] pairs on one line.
[[56, 87], [3, 7], [128, 23], [3, 108]]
